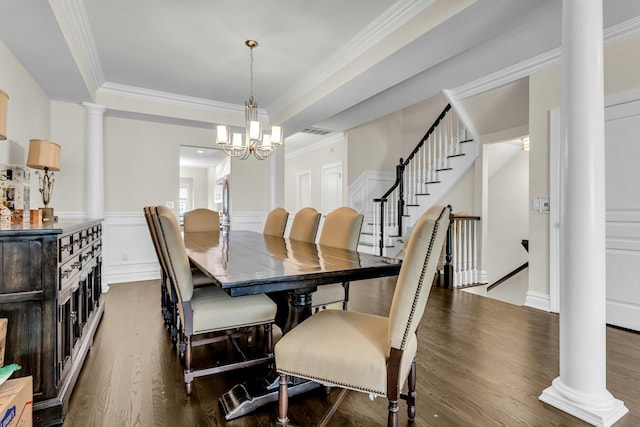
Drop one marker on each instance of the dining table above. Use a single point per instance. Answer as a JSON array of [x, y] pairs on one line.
[[245, 262]]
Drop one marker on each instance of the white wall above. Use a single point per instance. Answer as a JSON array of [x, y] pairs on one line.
[[68, 130], [461, 195], [202, 187], [326, 151], [28, 117], [508, 218]]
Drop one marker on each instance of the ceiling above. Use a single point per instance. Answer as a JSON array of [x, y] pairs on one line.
[[327, 64]]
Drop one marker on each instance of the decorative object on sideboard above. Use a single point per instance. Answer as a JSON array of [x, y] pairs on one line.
[[14, 194], [4, 101], [45, 155], [255, 142]]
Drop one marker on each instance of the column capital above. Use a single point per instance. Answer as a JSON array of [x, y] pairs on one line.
[[94, 108]]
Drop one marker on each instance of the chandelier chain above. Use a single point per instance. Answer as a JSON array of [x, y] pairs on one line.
[[251, 76]]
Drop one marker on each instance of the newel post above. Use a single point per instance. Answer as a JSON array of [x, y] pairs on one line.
[[399, 174], [448, 267]]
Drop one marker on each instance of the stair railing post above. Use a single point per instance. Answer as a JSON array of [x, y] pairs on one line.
[[381, 241], [448, 267], [399, 177]]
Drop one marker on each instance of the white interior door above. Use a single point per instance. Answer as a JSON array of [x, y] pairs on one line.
[[331, 187], [623, 214], [303, 195]]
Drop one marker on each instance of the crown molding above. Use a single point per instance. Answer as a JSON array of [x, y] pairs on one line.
[[324, 142], [506, 75], [172, 98], [612, 35], [622, 31], [391, 20], [74, 23]]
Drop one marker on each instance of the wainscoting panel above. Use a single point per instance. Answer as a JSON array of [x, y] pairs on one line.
[[252, 221], [623, 271], [128, 254], [623, 213]]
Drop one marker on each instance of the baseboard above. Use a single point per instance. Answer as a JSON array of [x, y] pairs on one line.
[[623, 314], [538, 301]]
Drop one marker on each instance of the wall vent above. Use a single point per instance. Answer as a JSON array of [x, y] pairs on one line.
[[316, 131]]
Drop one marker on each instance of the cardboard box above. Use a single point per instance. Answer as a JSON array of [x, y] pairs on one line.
[[16, 403]]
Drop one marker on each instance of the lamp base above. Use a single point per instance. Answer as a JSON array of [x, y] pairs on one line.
[[47, 214]]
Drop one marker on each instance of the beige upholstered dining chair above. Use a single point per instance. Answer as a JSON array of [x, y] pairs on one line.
[[168, 298], [341, 229], [209, 309], [305, 225], [364, 352], [276, 222], [201, 219]]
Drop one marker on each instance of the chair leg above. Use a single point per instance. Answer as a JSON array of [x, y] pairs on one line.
[[411, 393], [283, 401], [268, 331], [345, 303], [392, 421], [187, 362]]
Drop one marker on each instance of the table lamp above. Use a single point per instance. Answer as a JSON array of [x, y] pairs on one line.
[[44, 155]]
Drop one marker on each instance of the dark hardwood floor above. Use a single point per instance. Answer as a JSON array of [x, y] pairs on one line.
[[481, 362]]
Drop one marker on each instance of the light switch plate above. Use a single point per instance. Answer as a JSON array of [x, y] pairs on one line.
[[544, 204]]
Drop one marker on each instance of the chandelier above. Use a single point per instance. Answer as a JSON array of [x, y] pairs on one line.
[[261, 145]]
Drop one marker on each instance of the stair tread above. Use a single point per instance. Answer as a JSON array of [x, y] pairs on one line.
[[445, 169], [413, 205], [422, 194], [433, 182], [466, 140], [367, 233], [455, 155]]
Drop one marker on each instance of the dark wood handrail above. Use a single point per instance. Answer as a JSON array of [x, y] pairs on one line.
[[508, 276]]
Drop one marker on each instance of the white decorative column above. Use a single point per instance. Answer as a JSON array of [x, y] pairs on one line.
[[581, 388], [481, 207], [94, 160], [273, 170]]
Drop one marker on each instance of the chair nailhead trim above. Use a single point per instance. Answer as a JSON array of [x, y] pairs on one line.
[[421, 281], [324, 380]]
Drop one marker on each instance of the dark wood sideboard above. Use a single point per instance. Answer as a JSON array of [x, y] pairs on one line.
[[50, 290]]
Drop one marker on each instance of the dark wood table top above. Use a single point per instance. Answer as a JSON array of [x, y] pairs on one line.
[[246, 262]]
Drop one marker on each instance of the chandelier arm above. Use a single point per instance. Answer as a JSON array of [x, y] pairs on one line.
[[233, 152]]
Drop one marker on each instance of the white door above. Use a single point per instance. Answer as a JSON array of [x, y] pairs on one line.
[[303, 198], [622, 132], [331, 187]]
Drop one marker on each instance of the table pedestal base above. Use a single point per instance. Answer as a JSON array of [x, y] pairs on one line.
[[245, 398]]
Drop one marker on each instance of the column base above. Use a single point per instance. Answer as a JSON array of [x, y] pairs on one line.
[[602, 410]]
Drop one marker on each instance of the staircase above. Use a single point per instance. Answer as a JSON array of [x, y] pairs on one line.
[[441, 157]]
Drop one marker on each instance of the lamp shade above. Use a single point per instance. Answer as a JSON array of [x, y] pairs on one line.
[[43, 154], [4, 100]]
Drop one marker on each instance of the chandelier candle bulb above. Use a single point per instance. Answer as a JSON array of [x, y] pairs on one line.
[[223, 133], [237, 141], [255, 130], [276, 135]]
